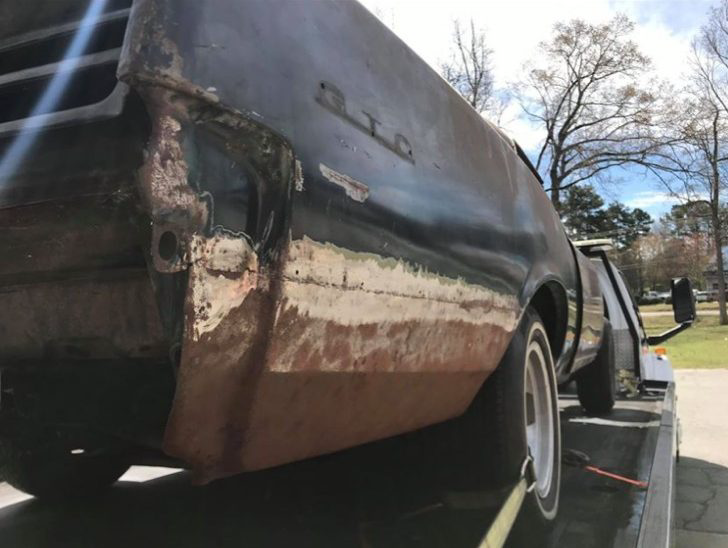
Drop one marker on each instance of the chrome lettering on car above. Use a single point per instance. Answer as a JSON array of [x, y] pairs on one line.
[[332, 98]]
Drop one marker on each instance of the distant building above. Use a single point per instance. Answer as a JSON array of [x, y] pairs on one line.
[[711, 272]]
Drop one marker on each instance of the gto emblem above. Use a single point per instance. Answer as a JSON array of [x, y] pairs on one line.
[[331, 97]]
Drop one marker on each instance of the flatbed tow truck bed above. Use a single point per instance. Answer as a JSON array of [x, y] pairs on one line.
[[376, 495], [636, 440]]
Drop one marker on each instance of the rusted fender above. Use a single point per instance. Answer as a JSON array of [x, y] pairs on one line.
[[329, 350], [310, 348], [295, 344]]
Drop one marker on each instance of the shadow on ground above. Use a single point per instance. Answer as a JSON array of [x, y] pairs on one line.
[[372, 496], [379, 495]]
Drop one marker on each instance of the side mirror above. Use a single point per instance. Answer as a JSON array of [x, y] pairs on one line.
[[683, 306], [683, 300]]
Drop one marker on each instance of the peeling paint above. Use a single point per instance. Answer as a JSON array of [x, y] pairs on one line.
[[368, 278], [163, 176], [352, 307], [214, 296], [223, 272], [354, 189], [331, 349], [224, 252], [298, 177], [165, 172], [169, 47], [318, 347], [173, 205], [347, 311]]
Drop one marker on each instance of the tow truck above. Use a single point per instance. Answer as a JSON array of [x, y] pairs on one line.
[[620, 491]]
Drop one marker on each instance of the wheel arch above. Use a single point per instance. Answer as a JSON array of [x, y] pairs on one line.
[[551, 303]]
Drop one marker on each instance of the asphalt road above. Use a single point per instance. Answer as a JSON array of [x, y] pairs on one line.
[[702, 473]]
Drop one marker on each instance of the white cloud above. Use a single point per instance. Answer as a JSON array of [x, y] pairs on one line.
[[528, 134], [515, 27], [652, 200]]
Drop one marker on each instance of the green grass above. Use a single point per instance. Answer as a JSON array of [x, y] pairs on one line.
[[704, 345], [668, 307]]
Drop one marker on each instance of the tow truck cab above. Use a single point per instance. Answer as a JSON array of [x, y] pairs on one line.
[[631, 343]]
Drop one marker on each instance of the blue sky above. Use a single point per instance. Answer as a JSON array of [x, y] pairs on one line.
[[514, 28]]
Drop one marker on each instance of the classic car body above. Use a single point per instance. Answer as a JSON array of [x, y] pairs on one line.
[[248, 233]]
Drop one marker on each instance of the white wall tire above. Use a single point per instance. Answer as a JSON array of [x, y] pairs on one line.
[[541, 416]]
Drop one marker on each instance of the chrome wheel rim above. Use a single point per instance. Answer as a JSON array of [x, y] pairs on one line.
[[539, 415]]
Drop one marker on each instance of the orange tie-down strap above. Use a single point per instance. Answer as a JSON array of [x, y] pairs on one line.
[[638, 483], [579, 459]]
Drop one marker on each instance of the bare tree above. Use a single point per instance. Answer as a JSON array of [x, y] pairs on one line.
[[693, 166], [711, 74], [469, 69], [710, 146], [588, 90], [710, 51]]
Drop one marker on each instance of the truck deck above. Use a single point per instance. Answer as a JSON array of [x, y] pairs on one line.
[[635, 440], [376, 495]]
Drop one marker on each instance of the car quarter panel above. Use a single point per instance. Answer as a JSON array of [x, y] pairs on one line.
[[390, 241]]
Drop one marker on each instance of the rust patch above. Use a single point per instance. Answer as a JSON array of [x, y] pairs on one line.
[[215, 388], [165, 174], [239, 412], [306, 344], [171, 202], [223, 272], [303, 364], [297, 416], [409, 345]]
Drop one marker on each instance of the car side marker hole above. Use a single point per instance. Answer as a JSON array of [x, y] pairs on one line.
[[167, 246]]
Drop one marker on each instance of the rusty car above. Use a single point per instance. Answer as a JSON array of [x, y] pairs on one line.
[[241, 234]]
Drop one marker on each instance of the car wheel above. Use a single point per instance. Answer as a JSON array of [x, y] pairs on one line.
[[516, 414], [56, 475], [596, 383]]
